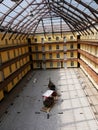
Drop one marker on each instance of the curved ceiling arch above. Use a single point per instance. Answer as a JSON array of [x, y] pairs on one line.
[[48, 16]]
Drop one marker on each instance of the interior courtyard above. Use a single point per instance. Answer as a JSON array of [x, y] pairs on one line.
[[42, 43]]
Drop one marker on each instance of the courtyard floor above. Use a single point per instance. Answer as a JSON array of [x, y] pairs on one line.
[[75, 109]]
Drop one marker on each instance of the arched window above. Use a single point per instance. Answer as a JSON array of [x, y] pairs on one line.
[[35, 39], [49, 38], [57, 38], [64, 38]]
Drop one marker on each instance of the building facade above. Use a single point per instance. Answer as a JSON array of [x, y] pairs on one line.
[[19, 56]]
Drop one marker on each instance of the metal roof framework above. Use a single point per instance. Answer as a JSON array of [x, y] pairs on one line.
[[28, 17]]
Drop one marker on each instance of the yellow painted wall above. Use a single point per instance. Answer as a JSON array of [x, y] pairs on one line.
[[18, 64], [20, 76], [13, 67], [11, 54], [26, 49], [1, 41], [90, 63], [54, 55], [4, 56], [28, 68], [16, 52], [39, 56], [23, 73], [61, 47], [54, 65], [47, 47], [68, 45], [34, 56], [53, 37], [21, 62], [53, 47], [61, 55], [8, 87], [33, 48], [1, 76], [1, 95], [39, 47], [15, 81], [47, 64], [96, 68], [74, 54], [24, 60], [90, 37], [34, 65], [68, 63], [23, 50], [91, 78], [90, 49], [27, 58], [20, 52], [6, 72]]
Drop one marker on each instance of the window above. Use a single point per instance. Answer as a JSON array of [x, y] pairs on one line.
[[35, 39], [43, 48], [72, 63], [18, 51], [71, 37], [91, 49], [57, 38], [42, 40], [36, 48], [23, 61], [50, 47], [51, 64], [50, 56], [58, 64], [64, 38], [8, 55], [2, 75], [10, 69], [26, 49], [57, 46], [58, 55], [49, 38], [16, 65], [21, 51], [13, 81], [71, 46], [6, 42], [71, 54], [17, 41], [37, 56], [12, 41], [38, 65], [14, 54], [43, 57]]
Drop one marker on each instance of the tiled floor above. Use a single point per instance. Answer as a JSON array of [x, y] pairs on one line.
[[72, 111]]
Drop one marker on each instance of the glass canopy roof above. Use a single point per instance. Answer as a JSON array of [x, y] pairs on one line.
[[48, 16]]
